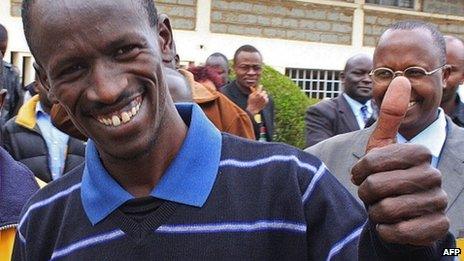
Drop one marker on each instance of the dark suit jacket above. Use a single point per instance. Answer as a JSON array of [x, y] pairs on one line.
[[232, 92], [329, 118], [342, 152]]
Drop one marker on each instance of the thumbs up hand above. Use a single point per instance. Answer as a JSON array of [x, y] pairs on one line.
[[400, 188]]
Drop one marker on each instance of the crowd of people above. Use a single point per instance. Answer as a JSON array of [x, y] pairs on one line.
[[116, 152]]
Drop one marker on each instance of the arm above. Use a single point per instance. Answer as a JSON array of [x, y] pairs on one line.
[[319, 122]]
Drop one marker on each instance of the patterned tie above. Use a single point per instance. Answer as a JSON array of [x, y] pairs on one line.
[[364, 113]]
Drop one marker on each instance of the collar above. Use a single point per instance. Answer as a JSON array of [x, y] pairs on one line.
[[39, 109], [26, 114], [188, 180], [433, 137], [356, 106]]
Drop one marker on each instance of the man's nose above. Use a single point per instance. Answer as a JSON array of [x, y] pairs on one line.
[[367, 79], [106, 83]]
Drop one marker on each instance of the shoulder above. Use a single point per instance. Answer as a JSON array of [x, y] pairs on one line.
[[55, 190], [341, 142], [327, 104], [271, 159], [11, 126]]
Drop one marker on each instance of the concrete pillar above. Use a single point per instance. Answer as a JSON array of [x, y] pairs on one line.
[[357, 36]]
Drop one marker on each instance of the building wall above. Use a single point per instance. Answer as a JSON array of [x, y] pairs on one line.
[[182, 12], [376, 22], [452, 7], [310, 34], [290, 20]]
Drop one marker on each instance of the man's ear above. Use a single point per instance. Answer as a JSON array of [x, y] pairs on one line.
[[165, 38], [342, 76], [446, 73], [2, 98]]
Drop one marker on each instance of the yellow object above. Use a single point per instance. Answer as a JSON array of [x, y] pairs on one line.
[[257, 118], [460, 245], [7, 237]]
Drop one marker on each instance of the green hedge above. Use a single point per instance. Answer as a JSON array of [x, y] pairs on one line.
[[290, 105]]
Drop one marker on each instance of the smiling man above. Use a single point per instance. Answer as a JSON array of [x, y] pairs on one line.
[[417, 51], [245, 91], [161, 182], [350, 111]]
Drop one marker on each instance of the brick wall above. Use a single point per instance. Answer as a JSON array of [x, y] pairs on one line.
[[15, 7], [181, 12], [283, 19], [375, 23], [454, 7]]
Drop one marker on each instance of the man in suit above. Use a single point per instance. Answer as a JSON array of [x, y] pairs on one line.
[[350, 111], [451, 102], [416, 51], [245, 91]]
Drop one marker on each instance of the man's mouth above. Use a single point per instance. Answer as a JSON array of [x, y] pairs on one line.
[[123, 115]]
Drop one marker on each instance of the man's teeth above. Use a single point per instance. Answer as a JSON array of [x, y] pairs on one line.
[[122, 118], [411, 104]]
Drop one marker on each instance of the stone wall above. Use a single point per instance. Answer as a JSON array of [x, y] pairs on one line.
[[15, 7], [453, 7], [283, 19], [375, 23], [181, 12]]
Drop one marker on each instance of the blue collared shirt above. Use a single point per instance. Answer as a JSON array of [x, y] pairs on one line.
[[57, 142], [188, 180], [356, 108], [433, 137]]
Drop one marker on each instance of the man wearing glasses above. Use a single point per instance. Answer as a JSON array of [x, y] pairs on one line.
[[246, 91], [451, 102], [416, 51]]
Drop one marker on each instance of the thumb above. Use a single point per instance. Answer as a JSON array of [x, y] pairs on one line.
[[392, 111]]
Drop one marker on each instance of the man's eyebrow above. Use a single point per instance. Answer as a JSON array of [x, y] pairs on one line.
[[124, 39]]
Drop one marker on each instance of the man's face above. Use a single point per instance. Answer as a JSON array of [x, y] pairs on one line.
[[248, 67], [3, 44], [356, 81], [399, 50], [102, 62], [220, 66], [455, 58], [2, 91]]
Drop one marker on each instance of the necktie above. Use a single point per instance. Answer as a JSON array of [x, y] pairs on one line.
[[364, 114]]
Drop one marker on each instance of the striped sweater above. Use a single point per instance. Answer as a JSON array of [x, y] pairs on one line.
[[269, 201]]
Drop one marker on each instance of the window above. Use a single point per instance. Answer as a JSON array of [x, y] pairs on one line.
[[318, 84], [397, 3]]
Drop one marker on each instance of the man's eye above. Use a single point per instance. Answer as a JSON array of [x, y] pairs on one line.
[[71, 69], [127, 50], [414, 73], [383, 74]]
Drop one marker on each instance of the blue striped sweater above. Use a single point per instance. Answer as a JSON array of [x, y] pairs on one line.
[[269, 201]]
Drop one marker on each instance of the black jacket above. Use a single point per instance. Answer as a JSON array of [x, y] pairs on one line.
[[23, 140], [232, 92]]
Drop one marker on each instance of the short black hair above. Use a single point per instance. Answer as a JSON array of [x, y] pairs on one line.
[[245, 48], [149, 6], [437, 36], [3, 33]]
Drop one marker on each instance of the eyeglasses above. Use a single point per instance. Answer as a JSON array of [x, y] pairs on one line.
[[383, 76]]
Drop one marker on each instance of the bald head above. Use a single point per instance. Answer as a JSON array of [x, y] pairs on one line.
[[178, 87], [355, 77], [3, 39], [454, 58]]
